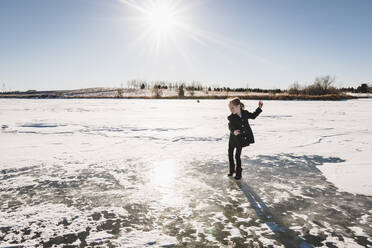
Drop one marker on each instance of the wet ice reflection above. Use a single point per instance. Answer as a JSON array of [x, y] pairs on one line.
[[166, 183]]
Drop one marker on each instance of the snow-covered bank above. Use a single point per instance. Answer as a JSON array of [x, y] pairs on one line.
[[365, 95], [141, 173]]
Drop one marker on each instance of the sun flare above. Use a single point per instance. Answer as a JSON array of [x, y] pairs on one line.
[[166, 23], [161, 20]]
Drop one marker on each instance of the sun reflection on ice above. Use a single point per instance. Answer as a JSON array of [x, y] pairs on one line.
[[164, 181]]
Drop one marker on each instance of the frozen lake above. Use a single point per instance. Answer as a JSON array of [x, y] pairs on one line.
[[153, 173]]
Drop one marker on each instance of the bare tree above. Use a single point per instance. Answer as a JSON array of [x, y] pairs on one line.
[[324, 82], [119, 93], [156, 90], [321, 86], [181, 92], [294, 89]]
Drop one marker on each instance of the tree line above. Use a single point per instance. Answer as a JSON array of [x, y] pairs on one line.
[[321, 86]]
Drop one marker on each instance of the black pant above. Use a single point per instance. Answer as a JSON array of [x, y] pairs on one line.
[[238, 169]]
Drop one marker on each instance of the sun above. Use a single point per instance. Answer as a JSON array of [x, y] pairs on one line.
[[161, 20], [164, 24]]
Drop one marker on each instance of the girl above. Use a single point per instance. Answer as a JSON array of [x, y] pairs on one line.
[[240, 132]]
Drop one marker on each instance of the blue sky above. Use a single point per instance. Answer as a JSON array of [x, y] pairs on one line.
[[68, 44]]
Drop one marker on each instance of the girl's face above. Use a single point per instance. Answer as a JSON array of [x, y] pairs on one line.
[[234, 109]]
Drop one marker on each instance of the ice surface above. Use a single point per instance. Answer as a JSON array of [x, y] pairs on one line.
[[150, 173]]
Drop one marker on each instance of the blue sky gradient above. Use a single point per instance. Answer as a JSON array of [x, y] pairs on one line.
[[68, 44]]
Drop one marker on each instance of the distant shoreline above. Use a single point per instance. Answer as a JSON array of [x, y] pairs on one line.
[[151, 93], [333, 97]]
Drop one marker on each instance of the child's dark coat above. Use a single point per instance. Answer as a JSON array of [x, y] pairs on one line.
[[236, 123]]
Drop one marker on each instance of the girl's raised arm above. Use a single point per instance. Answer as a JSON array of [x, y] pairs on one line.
[[256, 112]]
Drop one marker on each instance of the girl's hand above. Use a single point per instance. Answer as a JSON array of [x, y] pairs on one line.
[[236, 132], [260, 103]]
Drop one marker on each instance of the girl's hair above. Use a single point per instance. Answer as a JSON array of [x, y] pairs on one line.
[[236, 102]]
